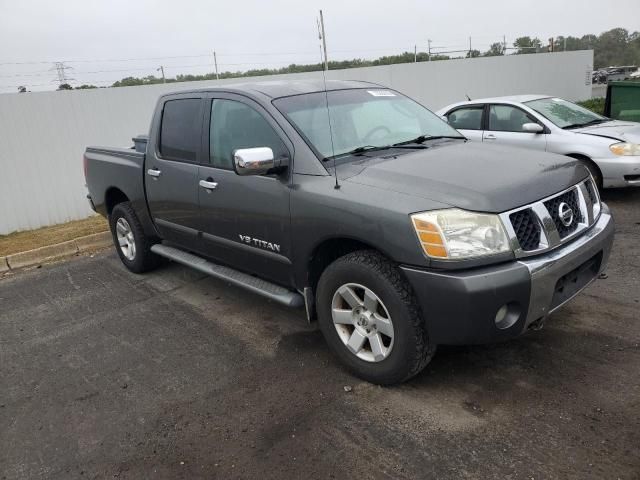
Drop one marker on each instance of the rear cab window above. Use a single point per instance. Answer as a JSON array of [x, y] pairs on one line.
[[180, 129]]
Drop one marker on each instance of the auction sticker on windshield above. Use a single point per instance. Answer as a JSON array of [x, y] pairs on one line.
[[381, 93]]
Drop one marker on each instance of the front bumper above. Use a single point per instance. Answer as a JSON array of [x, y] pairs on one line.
[[620, 171], [460, 308]]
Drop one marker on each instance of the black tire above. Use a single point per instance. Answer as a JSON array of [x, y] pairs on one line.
[[595, 173], [411, 350], [593, 170], [144, 259]]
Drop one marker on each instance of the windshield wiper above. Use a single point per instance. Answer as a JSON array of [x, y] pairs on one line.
[[423, 138], [586, 124], [359, 150]]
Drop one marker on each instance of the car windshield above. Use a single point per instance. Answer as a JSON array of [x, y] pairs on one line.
[[565, 114], [361, 120]]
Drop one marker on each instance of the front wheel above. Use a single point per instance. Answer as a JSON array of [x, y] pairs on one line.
[[370, 318]]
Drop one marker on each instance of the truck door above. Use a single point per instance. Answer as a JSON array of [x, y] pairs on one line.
[[171, 169], [505, 128], [245, 219]]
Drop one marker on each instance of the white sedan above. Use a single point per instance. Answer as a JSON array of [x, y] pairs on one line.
[[609, 148]]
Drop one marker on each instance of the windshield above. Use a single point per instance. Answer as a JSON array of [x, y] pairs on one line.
[[565, 114], [360, 118]]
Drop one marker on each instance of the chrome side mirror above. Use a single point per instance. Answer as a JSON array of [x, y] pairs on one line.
[[253, 161], [532, 128]]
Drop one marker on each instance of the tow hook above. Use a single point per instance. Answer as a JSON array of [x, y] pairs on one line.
[[537, 324]]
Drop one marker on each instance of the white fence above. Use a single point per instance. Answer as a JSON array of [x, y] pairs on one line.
[[43, 135]]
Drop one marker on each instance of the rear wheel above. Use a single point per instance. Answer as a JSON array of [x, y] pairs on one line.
[[370, 318], [132, 245]]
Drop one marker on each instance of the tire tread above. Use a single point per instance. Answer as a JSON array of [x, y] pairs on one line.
[[381, 266]]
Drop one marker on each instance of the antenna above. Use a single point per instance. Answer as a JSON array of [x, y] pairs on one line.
[[326, 97]]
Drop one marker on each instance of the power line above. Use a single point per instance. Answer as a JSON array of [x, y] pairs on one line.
[[229, 54]]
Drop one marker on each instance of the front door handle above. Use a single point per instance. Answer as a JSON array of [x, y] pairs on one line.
[[154, 172], [490, 137], [208, 184]]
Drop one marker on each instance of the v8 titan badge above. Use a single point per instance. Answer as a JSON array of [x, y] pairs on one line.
[[256, 242]]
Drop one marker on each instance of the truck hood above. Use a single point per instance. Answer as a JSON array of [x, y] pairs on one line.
[[472, 176], [615, 129]]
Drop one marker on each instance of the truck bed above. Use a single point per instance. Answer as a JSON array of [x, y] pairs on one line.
[[108, 169]]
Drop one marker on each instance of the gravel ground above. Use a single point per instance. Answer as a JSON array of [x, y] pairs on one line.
[[106, 374]]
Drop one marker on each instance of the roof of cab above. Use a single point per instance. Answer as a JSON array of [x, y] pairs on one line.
[[282, 88]]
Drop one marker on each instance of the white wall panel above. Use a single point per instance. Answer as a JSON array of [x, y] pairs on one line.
[[43, 135]]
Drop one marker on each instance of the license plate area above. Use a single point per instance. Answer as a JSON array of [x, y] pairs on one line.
[[574, 281]]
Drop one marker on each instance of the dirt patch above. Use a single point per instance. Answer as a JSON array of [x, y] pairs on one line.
[[23, 241]]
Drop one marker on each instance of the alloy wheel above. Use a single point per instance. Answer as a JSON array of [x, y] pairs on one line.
[[363, 322]]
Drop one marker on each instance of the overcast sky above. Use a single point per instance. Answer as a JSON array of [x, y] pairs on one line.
[[264, 33]]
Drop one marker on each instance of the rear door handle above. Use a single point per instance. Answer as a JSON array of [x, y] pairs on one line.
[[490, 137], [154, 172], [208, 185]]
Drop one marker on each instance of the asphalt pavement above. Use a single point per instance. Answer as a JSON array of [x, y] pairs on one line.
[[107, 374]]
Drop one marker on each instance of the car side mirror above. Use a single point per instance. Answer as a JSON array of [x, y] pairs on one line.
[[444, 118], [256, 161], [532, 128]]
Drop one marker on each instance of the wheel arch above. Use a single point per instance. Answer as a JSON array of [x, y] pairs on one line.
[[112, 197], [587, 159], [329, 250]]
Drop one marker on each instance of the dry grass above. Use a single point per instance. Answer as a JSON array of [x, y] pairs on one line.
[[23, 241]]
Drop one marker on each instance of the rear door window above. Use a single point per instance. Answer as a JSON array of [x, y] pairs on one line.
[[466, 118], [181, 129]]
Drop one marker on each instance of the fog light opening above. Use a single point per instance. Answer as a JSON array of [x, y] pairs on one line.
[[507, 315]]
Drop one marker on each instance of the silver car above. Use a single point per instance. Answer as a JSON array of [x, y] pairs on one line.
[[609, 148]]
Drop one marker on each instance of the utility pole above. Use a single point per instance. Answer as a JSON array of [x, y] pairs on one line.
[[429, 50], [161, 69], [215, 63], [565, 44], [61, 69], [324, 41], [470, 47], [415, 54], [504, 45]]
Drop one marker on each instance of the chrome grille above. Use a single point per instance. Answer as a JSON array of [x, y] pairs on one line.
[[527, 228], [539, 227], [570, 199]]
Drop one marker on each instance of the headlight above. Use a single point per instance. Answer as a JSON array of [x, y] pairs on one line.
[[625, 148], [455, 234]]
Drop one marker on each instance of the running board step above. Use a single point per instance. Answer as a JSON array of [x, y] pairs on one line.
[[253, 284]]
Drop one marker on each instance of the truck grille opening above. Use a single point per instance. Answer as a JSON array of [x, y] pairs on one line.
[[553, 205], [527, 228]]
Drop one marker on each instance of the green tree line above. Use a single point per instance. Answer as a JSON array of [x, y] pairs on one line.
[[614, 47]]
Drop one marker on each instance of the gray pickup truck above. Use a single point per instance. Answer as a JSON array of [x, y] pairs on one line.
[[356, 202]]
